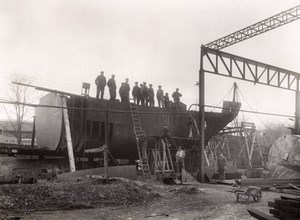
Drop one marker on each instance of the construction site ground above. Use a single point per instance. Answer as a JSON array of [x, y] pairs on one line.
[[85, 198]]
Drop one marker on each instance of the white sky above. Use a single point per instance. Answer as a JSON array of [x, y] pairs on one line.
[[61, 43]]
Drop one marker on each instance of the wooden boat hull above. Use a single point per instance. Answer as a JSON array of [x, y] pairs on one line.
[[87, 118]]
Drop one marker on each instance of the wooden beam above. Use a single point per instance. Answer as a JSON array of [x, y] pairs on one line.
[[68, 135], [260, 215]]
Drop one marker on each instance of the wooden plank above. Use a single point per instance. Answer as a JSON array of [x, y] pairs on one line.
[[291, 203], [294, 186], [287, 198], [272, 204], [268, 182], [289, 191], [274, 212], [284, 215], [287, 209], [260, 215]]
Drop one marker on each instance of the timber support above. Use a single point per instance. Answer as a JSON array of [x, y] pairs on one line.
[[68, 135]]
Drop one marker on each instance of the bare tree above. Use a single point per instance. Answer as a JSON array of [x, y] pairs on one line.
[[272, 132], [18, 113]]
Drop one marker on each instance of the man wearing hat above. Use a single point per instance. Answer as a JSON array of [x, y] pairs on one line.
[[100, 83], [151, 95], [141, 93], [176, 96], [136, 93], [160, 97], [221, 166], [111, 83], [126, 90], [166, 100], [180, 155], [144, 93]]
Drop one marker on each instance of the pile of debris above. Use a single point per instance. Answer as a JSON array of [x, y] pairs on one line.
[[78, 193], [284, 208]]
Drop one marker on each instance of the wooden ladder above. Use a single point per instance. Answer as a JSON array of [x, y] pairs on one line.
[[138, 132]]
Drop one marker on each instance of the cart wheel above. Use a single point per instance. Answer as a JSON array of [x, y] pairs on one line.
[[257, 196]]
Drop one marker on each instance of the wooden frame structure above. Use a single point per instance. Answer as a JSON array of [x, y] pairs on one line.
[[161, 159]]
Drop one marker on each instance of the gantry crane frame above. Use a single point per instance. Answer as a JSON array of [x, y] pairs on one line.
[[248, 70]]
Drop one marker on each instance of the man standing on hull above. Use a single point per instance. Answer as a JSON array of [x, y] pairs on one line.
[[176, 96], [160, 97], [100, 83], [136, 93], [111, 83], [151, 95]]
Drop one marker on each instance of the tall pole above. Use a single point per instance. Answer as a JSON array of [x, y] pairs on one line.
[[33, 133], [297, 110], [106, 145], [201, 118]]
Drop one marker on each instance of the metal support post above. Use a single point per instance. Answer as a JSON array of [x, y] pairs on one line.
[[68, 135], [106, 144], [201, 118], [33, 133], [297, 111]]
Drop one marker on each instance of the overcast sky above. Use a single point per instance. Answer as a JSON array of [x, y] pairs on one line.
[[59, 44]]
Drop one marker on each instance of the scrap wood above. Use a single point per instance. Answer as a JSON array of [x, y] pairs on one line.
[[285, 187], [284, 215], [289, 191], [287, 198], [290, 203], [260, 215], [285, 208], [294, 186], [225, 182], [156, 215], [267, 182]]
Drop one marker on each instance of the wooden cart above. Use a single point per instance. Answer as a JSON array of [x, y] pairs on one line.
[[251, 191]]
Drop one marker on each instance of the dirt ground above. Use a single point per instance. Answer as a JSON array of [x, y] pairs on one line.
[[125, 199]]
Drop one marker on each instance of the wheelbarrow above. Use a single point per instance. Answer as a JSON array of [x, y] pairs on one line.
[[250, 191]]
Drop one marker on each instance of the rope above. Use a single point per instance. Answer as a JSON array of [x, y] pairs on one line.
[[226, 96], [253, 110]]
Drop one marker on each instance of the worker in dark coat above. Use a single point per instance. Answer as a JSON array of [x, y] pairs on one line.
[[122, 92], [127, 90], [100, 83], [176, 96], [145, 94], [136, 93], [221, 166], [165, 133], [166, 100], [142, 91], [190, 126], [150, 92], [111, 83], [160, 97]]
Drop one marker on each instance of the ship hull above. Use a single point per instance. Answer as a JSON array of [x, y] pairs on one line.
[[87, 118]]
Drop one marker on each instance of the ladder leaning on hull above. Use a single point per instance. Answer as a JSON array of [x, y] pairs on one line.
[[139, 134]]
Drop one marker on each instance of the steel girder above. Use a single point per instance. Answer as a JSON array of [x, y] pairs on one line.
[[268, 24], [230, 65]]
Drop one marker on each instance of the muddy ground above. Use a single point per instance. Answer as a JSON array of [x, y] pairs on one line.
[[124, 199]]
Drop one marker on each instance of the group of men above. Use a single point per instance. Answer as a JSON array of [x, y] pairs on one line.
[[142, 94]]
